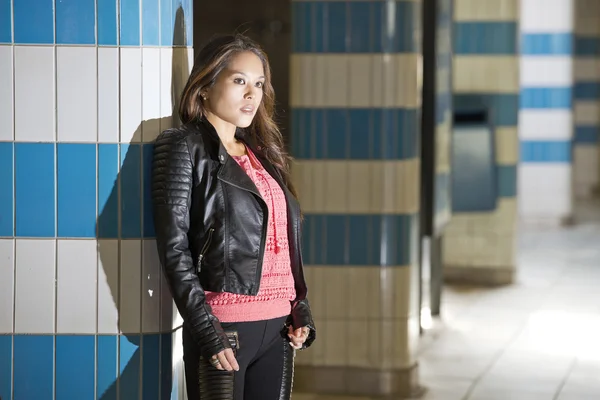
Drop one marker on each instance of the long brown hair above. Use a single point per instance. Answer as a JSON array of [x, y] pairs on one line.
[[209, 63]]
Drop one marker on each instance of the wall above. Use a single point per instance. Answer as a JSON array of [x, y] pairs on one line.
[[586, 151], [355, 97], [480, 247], [84, 312]]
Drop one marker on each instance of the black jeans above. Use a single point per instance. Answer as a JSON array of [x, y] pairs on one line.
[[265, 358]]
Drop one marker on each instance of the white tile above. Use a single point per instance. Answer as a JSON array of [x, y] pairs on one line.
[[108, 95], [151, 274], [6, 94], [76, 92], [180, 72], [130, 286], [34, 90], [34, 286], [151, 94], [544, 16], [7, 282], [545, 124], [546, 71], [545, 190], [108, 286], [131, 95], [587, 112], [498, 10], [166, 89], [587, 69], [76, 286]]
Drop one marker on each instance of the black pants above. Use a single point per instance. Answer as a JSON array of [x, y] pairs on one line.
[[265, 358]]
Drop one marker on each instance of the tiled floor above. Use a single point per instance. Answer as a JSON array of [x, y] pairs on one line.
[[536, 340]]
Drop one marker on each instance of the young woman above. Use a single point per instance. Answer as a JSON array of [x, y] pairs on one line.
[[228, 229]]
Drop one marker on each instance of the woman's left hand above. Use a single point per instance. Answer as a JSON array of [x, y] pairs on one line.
[[298, 336]]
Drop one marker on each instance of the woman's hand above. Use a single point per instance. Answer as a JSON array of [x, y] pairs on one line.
[[298, 336], [225, 361]]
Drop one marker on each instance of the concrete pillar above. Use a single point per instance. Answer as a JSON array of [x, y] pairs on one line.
[[546, 111], [479, 247], [586, 151], [86, 85], [355, 97]]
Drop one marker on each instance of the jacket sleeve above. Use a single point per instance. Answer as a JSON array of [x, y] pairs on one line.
[[301, 317], [172, 183]]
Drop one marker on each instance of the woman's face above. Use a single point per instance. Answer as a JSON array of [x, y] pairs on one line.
[[238, 90]]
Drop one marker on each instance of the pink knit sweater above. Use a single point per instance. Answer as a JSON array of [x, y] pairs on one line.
[[276, 283]]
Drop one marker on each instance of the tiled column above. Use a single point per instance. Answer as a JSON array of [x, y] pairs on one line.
[[85, 86], [586, 151], [480, 246], [355, 94], [546, 112]]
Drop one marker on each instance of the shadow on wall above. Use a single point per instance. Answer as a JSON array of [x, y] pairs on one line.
[[139, 293]]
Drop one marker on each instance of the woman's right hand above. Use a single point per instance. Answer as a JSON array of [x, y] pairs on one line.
[[225, 361]]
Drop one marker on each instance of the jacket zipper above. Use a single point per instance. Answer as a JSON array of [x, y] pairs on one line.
[[204, 250]]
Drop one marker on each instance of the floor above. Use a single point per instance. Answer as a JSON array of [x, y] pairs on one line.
[[536, 340]]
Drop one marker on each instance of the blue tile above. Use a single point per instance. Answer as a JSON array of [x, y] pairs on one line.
[[397, 239], [150, 23], [407, 23], [503, 108], [6, 189], [301, 25], [364, 239], [587, 135], [33, 367], [107, 22], [337, 134], [76, 205], [361, 30], [547, 44], [76, 22], [148, 221], [545, 98], [507, 180], [587, 46], [150, 367], [485, 38], [336, 251], [34, 186], [129, 367], [130, 23], [131, 199], [166, 369], [558, 151], [188, 9], [587, 91], [34, 21], [6, 366], [166, 23], [180, 21], [75, 361], [106, 368], [361, 145], [337, 32], [5, 21], [108, 198]]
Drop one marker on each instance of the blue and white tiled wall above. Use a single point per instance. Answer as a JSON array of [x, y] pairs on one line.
[[586, 143], [355, 97], [546, 110], [85, 86], [486, 73]]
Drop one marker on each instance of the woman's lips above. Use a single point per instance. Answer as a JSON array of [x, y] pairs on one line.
[[249, 109]]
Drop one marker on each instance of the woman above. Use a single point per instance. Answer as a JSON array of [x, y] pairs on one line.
[[228, 229]]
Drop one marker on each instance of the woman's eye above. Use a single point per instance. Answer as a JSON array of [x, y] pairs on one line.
[[239, 81], [260, 84]]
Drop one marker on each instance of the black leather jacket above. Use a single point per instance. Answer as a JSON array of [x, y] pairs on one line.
[[211, 225]]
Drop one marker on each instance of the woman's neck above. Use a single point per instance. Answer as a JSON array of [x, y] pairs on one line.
[[226, 133]]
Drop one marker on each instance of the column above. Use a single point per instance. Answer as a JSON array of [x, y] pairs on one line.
[[84, 311], [586, 110], [479, 247], [355, 97], [546, 111]]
